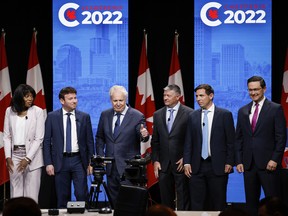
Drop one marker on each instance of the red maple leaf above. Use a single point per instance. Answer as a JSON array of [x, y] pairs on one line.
[[4, 103], [213, 14], [148, 109], [71, 14], [40, 100]]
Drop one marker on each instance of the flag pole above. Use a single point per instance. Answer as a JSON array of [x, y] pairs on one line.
[[175, 76], [176, 38], [5, 89], [4, 194], [3, 201]]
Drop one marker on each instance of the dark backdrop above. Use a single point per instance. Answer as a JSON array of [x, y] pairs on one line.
[[18, 18]]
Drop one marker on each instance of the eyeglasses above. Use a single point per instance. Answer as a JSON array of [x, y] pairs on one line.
[[254, 90]]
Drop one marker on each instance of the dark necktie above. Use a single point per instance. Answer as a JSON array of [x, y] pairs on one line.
[[68, 134], [170, 120], [117, 125], [205, 133], [254, 118]]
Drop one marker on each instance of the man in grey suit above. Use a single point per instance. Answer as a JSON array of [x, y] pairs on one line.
[[260, 142], [167, 149], [119, 138], [208, 164], [71, 165]]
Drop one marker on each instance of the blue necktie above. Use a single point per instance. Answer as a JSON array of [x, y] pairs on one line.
[[170, 120], [117, 125], [205, 132], [68, 134]]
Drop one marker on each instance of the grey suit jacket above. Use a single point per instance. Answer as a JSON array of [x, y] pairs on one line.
[[169, 147], [127, 144]]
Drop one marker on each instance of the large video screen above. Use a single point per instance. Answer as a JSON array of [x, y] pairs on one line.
[[232, 40], [90, 51]]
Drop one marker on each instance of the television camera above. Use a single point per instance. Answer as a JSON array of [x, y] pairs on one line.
[[135, 170], [98, 163]]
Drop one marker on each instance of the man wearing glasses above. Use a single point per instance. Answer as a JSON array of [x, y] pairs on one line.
[[260, 142]]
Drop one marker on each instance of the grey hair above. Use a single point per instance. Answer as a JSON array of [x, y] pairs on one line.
[[118, 88], [173, 87]]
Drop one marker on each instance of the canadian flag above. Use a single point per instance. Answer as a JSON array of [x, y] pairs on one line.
[[145, 103], [5, 99], [175, 76], [284, 103], [34, 76]]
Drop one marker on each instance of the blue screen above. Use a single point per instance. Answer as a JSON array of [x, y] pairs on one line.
[[232, 42], [90, 52]]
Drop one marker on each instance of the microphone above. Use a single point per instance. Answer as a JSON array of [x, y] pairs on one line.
[[26, 117], [203, 124]]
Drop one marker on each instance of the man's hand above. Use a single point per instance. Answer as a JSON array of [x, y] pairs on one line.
[[157, 167], [89, 170], [188, 170], [271, 166], [240, 168], [144, 132], [50, 170], [180, 167], [228, 168]]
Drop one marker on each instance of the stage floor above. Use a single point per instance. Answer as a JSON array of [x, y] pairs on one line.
[[63, 212]]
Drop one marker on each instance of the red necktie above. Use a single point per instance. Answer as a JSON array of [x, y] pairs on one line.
[[254, 118]]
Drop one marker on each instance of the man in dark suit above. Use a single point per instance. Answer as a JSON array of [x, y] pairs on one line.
[[119, 138], [167, 149], [208, 164], [68, 165], [259, 150]]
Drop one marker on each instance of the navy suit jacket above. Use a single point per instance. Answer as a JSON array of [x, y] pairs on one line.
[[269, 138], [221, 141], [169, 147], [54, 138], [127, 144]]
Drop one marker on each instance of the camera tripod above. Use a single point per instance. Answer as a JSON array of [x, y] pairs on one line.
[[95, 189]]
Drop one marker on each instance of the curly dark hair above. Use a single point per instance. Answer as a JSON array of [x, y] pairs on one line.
[[17, 102]]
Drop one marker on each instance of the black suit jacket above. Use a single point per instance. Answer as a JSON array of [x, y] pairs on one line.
[[269, 138], [221, 141], [169, 147]]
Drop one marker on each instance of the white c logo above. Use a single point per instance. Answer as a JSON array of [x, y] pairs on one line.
[[203, 13], [61, 15]]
